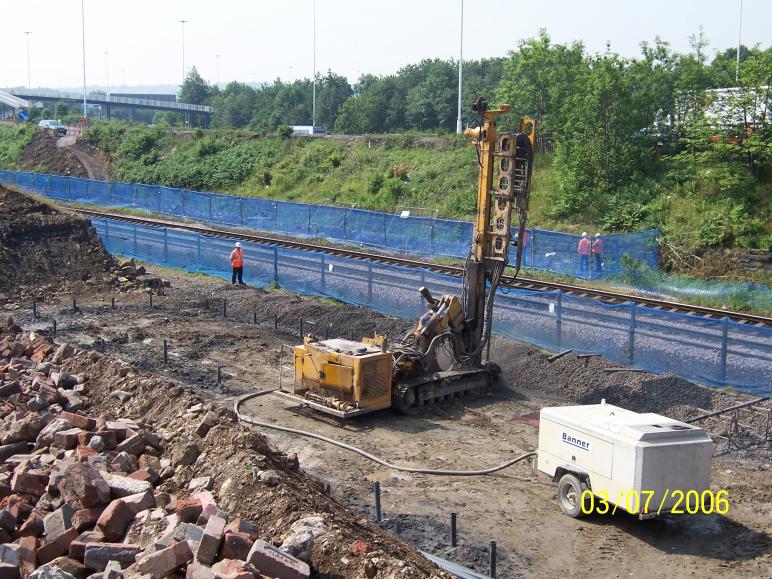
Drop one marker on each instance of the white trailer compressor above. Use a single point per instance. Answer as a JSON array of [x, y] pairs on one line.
[[600, 454]]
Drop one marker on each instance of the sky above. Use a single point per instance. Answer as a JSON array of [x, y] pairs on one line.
[[261, 40]]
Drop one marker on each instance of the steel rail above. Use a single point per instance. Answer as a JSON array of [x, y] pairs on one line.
[[606, 296]]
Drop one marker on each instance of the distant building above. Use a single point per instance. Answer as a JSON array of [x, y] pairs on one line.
[[311, 131]]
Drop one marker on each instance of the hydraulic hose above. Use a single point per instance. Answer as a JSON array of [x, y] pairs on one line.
[[367, 455]]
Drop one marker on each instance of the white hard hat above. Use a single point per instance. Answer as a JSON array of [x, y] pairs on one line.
[[238, 244], [584, 234], [597, 234]]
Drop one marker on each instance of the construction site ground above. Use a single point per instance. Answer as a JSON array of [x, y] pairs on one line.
[[515, 507]]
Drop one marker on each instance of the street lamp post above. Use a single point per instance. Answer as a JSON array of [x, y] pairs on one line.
[[183, 48], [459, 123], [29, 74], [739, 34], [83, 30], [313, 94]]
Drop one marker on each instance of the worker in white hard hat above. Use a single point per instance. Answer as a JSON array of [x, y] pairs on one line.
[[237, 263], [597, 254], [584, 250]]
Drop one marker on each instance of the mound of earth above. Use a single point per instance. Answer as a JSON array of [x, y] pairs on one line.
[[42, 154], [64, 156], [587, 381], [45, 252]]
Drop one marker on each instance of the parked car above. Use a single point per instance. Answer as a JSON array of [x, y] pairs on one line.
[[55, 126]]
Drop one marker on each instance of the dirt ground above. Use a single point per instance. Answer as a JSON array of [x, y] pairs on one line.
[[515, 507], [44, 252]]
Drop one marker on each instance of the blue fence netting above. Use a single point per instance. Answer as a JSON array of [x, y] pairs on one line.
[[713, 352], [548, 250]]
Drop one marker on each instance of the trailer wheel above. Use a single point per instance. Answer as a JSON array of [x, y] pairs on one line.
[[570, 493]]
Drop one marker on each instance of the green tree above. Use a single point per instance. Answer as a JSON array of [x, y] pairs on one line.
[[540, 77], [332, 91], [195, 90], [62, 110], [597, 151]]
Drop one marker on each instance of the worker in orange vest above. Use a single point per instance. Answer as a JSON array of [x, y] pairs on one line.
[[237, 263], [597, 254], [584, 251]]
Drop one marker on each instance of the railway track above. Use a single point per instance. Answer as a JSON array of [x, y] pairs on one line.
[[606, 296]]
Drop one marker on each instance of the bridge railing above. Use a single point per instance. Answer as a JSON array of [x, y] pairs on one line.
[[107, 100]]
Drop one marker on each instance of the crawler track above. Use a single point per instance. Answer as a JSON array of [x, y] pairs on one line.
[[520, 282]]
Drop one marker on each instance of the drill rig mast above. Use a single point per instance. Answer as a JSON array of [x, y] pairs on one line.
[[506, 161], [346, 378]]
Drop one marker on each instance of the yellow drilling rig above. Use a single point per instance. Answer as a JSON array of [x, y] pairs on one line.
[[347, 378]]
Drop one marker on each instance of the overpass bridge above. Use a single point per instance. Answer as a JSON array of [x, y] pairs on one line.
[[107, 103], [13, 102]]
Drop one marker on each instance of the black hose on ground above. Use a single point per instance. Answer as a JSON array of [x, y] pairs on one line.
[[367, 455]]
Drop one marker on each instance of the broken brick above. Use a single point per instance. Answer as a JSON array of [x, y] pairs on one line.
[[78, 546], [97, 555], [211, 539], [236, 546], [58, 547], [161, 563], [188, 510], [114, 520], [79, 420], [275, 563], [84, 519]]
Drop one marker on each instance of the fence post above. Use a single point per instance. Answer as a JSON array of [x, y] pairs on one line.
[[198, 249], [559, 318], [107, 233], [134, 195], [276, 263], [420, 297], [322, 270], [275, 216], [210, 207], [385, 244], [431, 236], [241, 210], [166, 245], [724, 348], [631, 336], [369, 281], [345, 225], [110, 192], [69, 187], [308, 228]]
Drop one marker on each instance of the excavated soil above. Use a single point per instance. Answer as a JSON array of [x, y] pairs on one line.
[[42, 154], [516, 507], [45, 252], [64, 156]]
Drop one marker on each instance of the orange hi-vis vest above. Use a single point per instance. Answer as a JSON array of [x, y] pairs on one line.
[[584, 246], [597, 246], [237, 257]]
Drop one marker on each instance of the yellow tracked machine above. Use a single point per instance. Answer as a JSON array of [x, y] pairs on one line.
[[442, 357]]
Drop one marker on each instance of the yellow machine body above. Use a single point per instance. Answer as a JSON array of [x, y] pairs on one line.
[[344, 376]]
